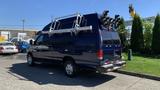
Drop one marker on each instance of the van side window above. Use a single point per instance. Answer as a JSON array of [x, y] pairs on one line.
[[39, 40], [43, 39], [62, 40], [86, 41], [46, 40]]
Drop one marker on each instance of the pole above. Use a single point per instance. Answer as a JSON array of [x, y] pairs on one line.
[[23, 24], [130, 54]]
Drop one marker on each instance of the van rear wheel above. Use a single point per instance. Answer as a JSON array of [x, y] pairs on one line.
[[70, 68]]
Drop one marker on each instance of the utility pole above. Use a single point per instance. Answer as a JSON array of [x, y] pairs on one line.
[[23, 21]]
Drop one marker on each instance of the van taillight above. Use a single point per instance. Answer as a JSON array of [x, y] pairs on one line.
[[100, 54], [1, 48]]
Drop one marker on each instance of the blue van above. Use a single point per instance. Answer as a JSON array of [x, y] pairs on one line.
[[76, 42]]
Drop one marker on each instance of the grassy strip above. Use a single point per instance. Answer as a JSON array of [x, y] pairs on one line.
[[144, 65]]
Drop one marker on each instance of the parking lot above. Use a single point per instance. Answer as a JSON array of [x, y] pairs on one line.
[[16, 75]]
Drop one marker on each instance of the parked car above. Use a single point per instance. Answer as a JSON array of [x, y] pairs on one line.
[[13, 40], [23, 46], [7, 48], [85, 46]]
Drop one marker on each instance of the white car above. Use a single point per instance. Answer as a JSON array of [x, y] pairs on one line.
[[8, 47]]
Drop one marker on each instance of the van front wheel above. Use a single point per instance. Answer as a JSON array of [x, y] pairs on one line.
[[30, 60], [70, 68]]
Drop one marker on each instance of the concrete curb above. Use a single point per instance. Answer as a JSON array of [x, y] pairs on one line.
[[139, 75]]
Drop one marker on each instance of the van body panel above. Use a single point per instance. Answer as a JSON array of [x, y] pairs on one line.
[[81, 46]]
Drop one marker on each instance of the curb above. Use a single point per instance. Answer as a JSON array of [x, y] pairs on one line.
[[139, 75]]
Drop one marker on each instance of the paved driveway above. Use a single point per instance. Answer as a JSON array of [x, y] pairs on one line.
[[16, 75]]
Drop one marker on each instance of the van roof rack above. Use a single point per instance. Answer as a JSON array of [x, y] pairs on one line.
[[71, 30], [76, 28]]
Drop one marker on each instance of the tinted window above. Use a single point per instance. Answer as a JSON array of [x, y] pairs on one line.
[[110, 37], [43, 39], [107, 42], [87, 40], [66, 25], [39, 40], [116, 41], [46, 40], [62, 39]]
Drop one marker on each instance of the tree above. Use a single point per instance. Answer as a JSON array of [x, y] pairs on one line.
[[156, 36], [137, 40], [122, 33], [147, 35]]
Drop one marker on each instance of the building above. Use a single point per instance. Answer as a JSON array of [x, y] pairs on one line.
[[8, 33], [128, 23]]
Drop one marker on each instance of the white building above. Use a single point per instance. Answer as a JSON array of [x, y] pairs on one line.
[[128, 24], [8, 33]]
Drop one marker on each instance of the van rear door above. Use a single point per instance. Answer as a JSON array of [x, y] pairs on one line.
[[111, 44]]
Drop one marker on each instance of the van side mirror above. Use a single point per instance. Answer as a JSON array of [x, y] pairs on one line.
[[31, 42]]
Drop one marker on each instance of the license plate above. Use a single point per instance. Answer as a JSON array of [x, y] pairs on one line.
[[9, 48]]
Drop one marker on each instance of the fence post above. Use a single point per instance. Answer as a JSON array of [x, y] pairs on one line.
[[130, 54]]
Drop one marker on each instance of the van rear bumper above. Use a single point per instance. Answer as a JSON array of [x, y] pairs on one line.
[[111, 67], [105, 68], [118, 65]]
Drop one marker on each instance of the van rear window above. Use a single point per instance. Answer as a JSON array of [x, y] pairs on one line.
[[107, 41], [110, 37], [116, 41]]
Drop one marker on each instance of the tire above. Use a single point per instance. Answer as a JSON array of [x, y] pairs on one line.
[[70, 68], [30, 60]]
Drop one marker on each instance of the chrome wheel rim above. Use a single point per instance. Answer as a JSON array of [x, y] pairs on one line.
[[69, 69]]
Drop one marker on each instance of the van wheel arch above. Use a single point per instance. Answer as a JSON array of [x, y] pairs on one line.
[[68, 58], [70, 67]]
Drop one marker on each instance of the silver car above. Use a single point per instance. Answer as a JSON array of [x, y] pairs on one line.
[[8, 47]]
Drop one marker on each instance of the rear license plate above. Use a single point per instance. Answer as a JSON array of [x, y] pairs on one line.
[[10, 48]]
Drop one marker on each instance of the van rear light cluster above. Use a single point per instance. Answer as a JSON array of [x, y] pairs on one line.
[[16, 47], [1, 48], [107, 62], [100, 54]]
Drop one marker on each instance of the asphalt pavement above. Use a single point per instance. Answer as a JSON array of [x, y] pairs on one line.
[[15, 74]]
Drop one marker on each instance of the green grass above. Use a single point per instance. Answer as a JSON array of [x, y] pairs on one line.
[[142, 64]]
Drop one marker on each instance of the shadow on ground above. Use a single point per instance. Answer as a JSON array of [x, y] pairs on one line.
[[49, 74]]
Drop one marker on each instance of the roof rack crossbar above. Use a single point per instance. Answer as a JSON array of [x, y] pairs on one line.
[[63, 17], [72, 30]]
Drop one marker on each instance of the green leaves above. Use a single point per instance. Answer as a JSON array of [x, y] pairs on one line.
[[122, 33], [156, 36], [147, 35], [137, 40]]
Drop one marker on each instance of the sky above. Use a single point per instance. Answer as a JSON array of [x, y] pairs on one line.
[[38, 13]]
